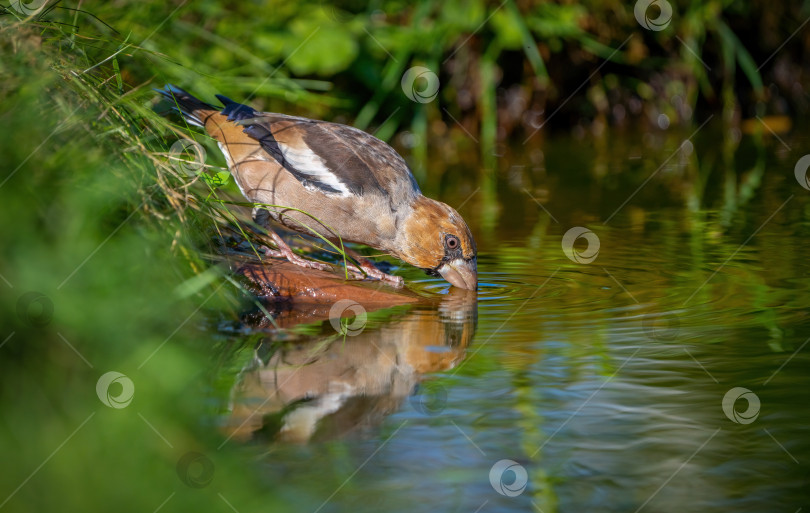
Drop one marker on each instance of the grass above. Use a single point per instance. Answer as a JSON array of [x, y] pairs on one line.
[[92, 213], [109, 233]]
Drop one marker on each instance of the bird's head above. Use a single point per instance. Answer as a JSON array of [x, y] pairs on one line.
[[435, 238]]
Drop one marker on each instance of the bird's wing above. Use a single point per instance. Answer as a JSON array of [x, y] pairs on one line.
[[335, 159]]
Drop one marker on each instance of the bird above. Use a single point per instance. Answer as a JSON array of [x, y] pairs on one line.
[[325, 178]]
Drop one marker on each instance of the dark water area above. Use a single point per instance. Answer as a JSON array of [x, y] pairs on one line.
[[639, 342]]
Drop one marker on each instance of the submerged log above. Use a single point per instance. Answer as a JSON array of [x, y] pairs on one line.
[[292, 294], [279, 280]]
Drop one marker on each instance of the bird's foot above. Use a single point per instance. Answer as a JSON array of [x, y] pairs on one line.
[[295, 259], [368, 269], [284, 251]]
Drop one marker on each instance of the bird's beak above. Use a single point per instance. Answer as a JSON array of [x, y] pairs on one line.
[[461, 273]]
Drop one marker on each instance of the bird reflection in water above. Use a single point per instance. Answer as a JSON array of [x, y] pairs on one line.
[[334, 385]]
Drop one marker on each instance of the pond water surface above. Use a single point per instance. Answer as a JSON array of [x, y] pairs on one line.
[[655, 358]]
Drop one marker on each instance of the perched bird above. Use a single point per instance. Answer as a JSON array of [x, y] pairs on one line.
[[338, 181]]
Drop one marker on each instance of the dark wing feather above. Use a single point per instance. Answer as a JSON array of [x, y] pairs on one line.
[[269, 144], [344, 158]]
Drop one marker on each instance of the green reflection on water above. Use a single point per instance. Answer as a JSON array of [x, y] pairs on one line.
[[605, 380]]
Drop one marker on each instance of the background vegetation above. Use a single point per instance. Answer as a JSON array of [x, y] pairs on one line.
[[108, 235]]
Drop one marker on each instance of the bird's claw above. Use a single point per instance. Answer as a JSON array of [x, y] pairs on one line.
[[367, 269]]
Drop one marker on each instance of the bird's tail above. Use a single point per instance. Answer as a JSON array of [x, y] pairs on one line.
[[193, 110]]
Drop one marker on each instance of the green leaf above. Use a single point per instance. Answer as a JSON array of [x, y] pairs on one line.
[[552, 20], [319, 48], [743, 57], [463, 15], [527, 41], [507, 31]]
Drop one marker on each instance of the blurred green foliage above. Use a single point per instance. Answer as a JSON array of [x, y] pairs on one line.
[[505, 68]]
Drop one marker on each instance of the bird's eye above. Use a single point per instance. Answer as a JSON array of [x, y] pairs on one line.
[[452, 242]]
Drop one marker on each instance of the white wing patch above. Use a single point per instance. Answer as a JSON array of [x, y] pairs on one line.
[[308, 163], [229, 161]]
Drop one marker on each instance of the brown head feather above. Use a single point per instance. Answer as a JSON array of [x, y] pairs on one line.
[[423, 238]]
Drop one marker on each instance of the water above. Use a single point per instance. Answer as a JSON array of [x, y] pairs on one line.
[[604, 382]]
